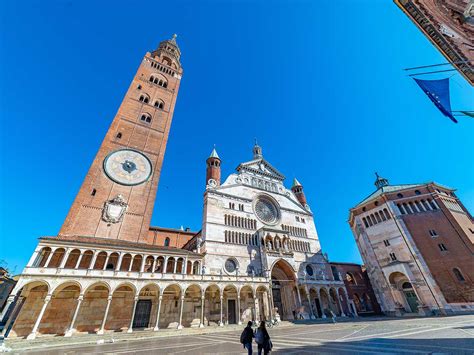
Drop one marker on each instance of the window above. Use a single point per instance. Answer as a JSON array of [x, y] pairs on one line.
[[145, 118], [302, 220], [417, 192], [442, 247], [399, 195], [393, 256], [144, 98], [364, 209], [386, 242], [230, 265], [471, 230], [159, 104], [376, 203], [458, 275], [309, 270], [365, 222], [433, 233], [93, 192], [139, 87], [119, 135], [167, 242], [297, 218]]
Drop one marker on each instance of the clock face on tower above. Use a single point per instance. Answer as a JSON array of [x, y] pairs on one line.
[[127, 167]]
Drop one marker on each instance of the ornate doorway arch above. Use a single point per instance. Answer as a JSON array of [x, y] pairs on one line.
[[283, 286]]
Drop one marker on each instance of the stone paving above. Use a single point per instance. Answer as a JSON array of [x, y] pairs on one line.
[[435, 335]]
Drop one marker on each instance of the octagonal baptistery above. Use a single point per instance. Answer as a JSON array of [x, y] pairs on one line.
[[254, 226]]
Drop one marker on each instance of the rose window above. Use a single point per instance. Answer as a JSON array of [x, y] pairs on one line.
[[266, 211]]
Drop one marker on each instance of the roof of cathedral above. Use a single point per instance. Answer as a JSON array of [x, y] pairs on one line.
[[214, 154], [261, 167]]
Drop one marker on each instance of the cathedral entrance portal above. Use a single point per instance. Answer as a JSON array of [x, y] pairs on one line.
[[283, 285]]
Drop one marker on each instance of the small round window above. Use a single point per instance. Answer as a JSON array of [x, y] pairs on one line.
[[309, 270], [230, 265]]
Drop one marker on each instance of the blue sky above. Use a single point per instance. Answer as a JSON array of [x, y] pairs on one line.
[[319, 83]]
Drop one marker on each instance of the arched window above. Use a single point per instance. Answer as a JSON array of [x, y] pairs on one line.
[[350, 278], [458, 275], [167, 242], [144, 98], [159, 104], [146, 118], [365, 222]]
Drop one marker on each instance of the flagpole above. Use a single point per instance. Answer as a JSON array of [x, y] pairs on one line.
[[433, 72], [438, 65]]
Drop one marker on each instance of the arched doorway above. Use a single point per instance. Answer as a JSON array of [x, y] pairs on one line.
[[283, 285], [404, 292]]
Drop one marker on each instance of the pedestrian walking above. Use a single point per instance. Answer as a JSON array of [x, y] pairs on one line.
[[263, 339], [246, 337]]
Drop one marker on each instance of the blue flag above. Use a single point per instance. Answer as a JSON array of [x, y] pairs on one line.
[[438, 92]]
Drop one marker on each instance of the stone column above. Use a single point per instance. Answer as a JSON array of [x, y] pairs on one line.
[[238, 310], [65, 257], [10, 300], [130, 328], [311, 314], [299, 295], [203, 298], [175, 265], [79, 259], [255, 307], [49, 257], [32, 335], [119, 262], [70, 330], [322, 305], [94, 258], [165, 266], [102, 326], [340, 304], [154, 265], [180, 326], [106, 261], [142, 267], [185, 266], [33, 258], [158, 314], [221, 324], [270, 310], [131, 262], [10, 317]]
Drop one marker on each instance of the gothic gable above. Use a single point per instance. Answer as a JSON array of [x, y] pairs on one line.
[[261, 167]]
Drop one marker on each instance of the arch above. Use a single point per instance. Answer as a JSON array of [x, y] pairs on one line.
[[350, 278], [137, 263], [459, 276], [212, 304], [196, 267], [100, 260], [72, 259], [125, 284], [112, 261], [179, 265], [126, 263], [167, 242], [86, 259], [145, 98], [160, 264], [247, 304], [170, 306], [121, 307], [149, 262], [192, 306], [57, 257], [159, 104], [146, 306], [230, 311], [145, 117], [334, 301], [93, 306], [170, 265], [43, 256], [65, 284], [403, 292]]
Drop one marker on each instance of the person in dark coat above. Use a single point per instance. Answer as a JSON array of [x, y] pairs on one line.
[[263, 339], [246, 337]]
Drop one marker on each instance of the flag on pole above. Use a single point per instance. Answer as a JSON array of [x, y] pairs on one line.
[[438, 93]]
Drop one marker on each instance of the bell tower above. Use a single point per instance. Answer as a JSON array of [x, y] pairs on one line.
[[117, 196], [213, 171]]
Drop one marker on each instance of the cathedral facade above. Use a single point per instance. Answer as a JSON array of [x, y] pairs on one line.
[[257, 256]]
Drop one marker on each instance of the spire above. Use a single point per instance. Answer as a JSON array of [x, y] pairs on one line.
[[214, 153], [296, 183], [257, 151], [380, 181], [169, 49]]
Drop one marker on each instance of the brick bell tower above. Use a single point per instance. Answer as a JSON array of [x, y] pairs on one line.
[[213, 170], [297, 189], [117, 196]]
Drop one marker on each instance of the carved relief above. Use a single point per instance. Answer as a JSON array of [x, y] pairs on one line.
[[114, 209]]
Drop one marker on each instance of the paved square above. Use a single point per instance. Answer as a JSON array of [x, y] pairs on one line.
[[446, 335]]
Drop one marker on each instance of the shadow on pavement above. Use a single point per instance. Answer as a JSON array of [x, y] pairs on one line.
[[382, 345]]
